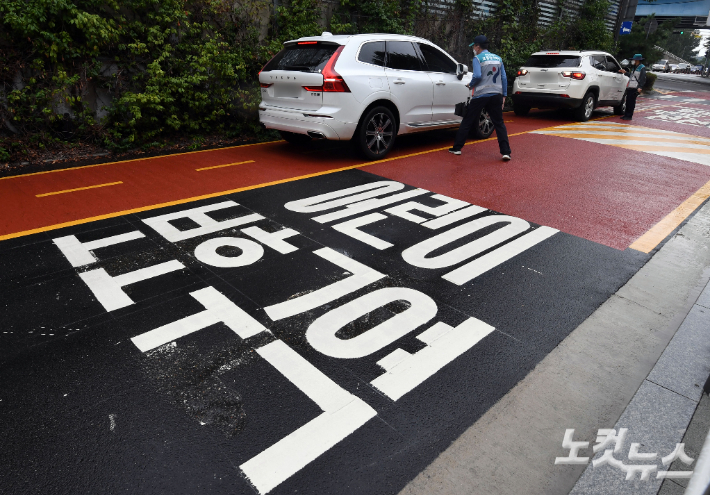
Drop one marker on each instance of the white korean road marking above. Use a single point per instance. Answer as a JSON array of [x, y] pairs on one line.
[[343, 413], [404, 210], [80, 253], [274, 240], [343, 197], [217, 309], [350, 228], [362, 276], [321, 333], [417, 254], [406, 371], [161, 224], [207, 252], [108, 290]]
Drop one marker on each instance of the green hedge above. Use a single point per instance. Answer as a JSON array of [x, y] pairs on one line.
[[650, 81]]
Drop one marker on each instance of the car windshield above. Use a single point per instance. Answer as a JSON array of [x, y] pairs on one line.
[[552, 61], [310, 57], [662, 62]]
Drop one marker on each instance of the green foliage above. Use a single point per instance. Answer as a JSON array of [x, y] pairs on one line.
[[650, 81], [375, 16], [173, 66], [589, 31], [682, 45]]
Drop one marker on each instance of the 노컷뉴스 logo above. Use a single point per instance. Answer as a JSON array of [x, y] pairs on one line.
[[608, 437]]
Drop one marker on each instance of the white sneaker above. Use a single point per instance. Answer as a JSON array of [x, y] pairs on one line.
[[506, 158], [454, 151]]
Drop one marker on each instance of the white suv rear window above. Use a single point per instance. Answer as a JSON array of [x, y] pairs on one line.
[[302, 57], [553, 61]]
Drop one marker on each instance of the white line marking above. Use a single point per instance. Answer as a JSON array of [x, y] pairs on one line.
[[630, 134], [630, 142]]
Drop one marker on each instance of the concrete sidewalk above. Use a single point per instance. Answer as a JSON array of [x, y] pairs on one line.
[[597, 378]]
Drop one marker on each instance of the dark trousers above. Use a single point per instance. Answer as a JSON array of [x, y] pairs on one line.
[[494, 105], [631, 95]]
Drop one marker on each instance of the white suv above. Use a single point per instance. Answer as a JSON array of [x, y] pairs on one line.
[[367, 87], [576, 80]]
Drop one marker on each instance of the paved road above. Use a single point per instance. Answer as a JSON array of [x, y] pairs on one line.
[[271, 319]]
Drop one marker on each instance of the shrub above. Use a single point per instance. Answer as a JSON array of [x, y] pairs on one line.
[[650, 81]]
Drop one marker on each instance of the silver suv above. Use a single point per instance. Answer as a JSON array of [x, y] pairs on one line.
[[368, 88], [577, 80]]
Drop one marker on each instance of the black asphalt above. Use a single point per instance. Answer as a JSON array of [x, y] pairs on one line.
[[83, 410]]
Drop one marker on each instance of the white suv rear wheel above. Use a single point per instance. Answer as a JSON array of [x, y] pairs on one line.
[[376, 133], [584, 112]]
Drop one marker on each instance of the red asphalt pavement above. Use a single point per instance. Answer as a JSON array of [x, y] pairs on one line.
[[595, 191]]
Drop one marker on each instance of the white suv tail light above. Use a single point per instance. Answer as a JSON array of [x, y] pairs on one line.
[[332, 81], [574, 75]]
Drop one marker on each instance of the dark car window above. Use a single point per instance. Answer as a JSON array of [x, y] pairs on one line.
[[402, 55], [436, 60], [373, 52], [611, 65], [302, 57], [553, 61], [598, 59]]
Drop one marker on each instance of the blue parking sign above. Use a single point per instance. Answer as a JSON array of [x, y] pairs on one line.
[[626, 27]]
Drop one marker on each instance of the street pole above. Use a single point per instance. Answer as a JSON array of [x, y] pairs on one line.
[[621, 15]]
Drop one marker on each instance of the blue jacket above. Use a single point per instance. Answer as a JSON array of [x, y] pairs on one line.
[[487, 69]]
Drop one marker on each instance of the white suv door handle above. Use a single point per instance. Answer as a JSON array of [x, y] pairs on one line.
[[399, 81], [441, 83]]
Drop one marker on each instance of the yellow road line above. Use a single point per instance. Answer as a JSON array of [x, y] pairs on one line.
[[139, 159], [221, 166], [647, 242], [77, 189], [247, 188]]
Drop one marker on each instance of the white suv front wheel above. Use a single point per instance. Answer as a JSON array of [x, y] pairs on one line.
[[376, 133], [583, 113]]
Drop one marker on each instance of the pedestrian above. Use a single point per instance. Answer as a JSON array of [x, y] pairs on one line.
[[637, 79], [490, 87]]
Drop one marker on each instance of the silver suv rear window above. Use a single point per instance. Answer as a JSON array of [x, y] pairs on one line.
[[310, 57], [553, 61]]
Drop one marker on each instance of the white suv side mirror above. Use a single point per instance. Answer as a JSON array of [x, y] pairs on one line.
[[624, 63], [461, 70]]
